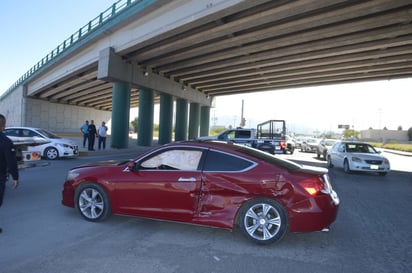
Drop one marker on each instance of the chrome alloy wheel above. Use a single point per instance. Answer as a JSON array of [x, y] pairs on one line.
[[262, 221], [91, 203]]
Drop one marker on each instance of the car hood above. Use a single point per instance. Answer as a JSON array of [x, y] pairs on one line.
[[64, 141], [368, 156], [102, 163]]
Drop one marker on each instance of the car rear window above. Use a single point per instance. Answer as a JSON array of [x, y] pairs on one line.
[[217, 161]]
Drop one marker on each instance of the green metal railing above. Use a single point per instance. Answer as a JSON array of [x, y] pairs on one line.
[[83, 32]]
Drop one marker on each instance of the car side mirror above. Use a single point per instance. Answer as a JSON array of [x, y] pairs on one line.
[[131, 166]]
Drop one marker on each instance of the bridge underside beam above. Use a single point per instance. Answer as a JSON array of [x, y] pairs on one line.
[[113, 68]]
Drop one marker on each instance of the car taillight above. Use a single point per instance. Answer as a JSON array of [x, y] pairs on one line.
[[283, 144], [312, 185]]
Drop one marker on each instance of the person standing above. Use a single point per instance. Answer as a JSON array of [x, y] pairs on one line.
[[92, 135], [102, 133], [85, 131], [8, 161]]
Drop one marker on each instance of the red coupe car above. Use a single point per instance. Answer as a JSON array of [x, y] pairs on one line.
[[208, 183]]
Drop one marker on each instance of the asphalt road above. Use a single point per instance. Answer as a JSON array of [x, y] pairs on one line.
[[372, 232]]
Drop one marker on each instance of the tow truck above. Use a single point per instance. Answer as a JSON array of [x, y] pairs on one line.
[[25, 158]]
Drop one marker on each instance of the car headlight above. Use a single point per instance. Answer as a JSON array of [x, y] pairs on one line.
[[72, 175], [356, 159]]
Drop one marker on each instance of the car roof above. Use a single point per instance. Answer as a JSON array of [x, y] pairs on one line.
[[354, 141], [23, 127], [205, 144]]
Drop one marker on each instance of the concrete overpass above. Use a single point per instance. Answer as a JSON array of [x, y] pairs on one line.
[[142, 52]]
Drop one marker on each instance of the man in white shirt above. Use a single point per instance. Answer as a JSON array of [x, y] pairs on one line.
[[102, 133]]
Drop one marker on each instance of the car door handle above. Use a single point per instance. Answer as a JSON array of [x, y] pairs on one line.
[[188, 179]]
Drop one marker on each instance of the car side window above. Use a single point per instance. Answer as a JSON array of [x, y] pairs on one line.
[[177, 159], [11, 132], [222, 162], [29, 133]]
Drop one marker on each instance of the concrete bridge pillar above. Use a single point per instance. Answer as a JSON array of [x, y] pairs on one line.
[[120, 114], [194, 120], [204, 120], [181, 120], [165, 119], [146, 117]]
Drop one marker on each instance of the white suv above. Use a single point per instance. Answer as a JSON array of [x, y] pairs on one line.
[[55, 148]]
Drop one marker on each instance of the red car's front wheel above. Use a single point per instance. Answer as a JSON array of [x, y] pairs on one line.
[[92, 202]]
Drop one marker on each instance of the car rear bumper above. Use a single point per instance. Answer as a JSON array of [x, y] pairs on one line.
[[314, 213]]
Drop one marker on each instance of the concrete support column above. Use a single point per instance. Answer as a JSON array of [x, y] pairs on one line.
[[194, 120], [165, 119], [120, 114], [181, 120], [146, 117], [204, 120]]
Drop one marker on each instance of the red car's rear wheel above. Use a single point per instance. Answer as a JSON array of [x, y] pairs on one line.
[[263, 221]]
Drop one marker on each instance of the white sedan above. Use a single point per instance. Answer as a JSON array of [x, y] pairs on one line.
[[357, 156], [54, 148]]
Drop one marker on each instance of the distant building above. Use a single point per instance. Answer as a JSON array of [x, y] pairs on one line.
[[384, 135]]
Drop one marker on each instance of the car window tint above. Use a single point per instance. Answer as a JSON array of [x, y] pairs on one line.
[[29, 133], [243, 134], [219, 162], [11, 132], [178, 159]]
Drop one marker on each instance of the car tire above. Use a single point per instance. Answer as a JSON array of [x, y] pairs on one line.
[[263, 221], [382, 173], [346, 167], [92, 202], [51, 153], [329, 162]]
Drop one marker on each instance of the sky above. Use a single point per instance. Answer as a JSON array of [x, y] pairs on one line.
[[33, 28]]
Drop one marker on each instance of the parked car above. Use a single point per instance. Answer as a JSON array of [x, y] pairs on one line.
[[309, 145], [54, 148], [357, 156], [208, 183], [323, 147], [290, 144], [298, 142]]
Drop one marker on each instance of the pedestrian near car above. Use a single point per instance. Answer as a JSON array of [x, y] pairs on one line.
[[85, 131], [102, 133], [8, 161], [92, 135]]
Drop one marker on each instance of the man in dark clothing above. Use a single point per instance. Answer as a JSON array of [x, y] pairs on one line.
[[92, 135], [8, 161]]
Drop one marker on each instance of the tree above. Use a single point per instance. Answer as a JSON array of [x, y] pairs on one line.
[[400, 128], [350, 134], [410, 134], [133, 123]]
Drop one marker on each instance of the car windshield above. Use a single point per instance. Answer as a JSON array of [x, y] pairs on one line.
[[47, 133], [359, 148], [269, 158], [330, 142], [311, 140]]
